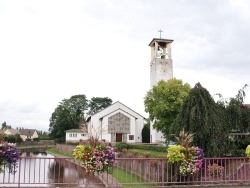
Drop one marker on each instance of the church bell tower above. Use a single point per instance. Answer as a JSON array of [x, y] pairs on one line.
[[161, 67]]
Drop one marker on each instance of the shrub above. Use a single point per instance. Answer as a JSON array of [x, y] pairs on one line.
[[122, 145], [215, 170], [176, 153], [36, 139], [95, 159]]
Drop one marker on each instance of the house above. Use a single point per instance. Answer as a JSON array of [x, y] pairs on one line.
[[75, 135], [29, 134], [10, 131], [116, 123]]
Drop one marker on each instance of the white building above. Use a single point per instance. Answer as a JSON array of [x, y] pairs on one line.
[[161, 68], [75, 135], [116, 123]]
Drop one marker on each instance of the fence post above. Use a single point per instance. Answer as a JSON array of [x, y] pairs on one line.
[[19, 173]]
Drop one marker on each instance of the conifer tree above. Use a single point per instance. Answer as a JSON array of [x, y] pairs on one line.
[[200, 115]]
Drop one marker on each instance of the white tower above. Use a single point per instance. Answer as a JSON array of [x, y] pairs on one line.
[[161, 68]]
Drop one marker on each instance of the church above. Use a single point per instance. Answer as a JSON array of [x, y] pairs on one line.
[[118, 122]]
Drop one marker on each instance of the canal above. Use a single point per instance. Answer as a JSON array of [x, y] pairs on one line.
[[38, 168]]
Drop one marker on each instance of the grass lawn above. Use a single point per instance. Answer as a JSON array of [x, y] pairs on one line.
[[153, 154], [123, 177], [54, 151]]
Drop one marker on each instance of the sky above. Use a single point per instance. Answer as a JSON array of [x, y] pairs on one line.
[[51, 50]]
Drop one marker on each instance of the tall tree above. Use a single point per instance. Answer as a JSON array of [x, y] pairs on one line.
[[201, 116], [4, 125], [98, 103], [238, 116], [164, 101], [67, 115]]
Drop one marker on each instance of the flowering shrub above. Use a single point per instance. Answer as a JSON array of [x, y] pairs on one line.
[[187, 168], [190, 159], [215, 170], [248, 151], [9, 156], [95, 159], [176, 153]]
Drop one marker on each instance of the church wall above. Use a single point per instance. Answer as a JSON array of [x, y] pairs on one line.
[[100, 121]]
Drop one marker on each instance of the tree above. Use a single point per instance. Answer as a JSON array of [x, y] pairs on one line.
[[145, 133], [67, 115], [164, 101], [204, 118], [237, 116], [4, 125], [98, 103]]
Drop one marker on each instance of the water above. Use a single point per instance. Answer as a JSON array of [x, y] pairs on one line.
[[37, 168]]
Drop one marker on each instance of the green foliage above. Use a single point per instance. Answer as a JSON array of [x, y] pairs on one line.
[[176, 153], [36, 139], [98, 103], [248, 151], [67, 116], [78, 152], [146, 133], [237, 117], [201, 116], [164, 101], [13, 138], [149, 147], [122, 145]]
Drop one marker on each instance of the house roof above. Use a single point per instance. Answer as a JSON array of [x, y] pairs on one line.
[[13, 131], [27, 132], [246, 105], [74, 131]]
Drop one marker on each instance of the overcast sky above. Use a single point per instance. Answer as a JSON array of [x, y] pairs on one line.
[[51, 50]]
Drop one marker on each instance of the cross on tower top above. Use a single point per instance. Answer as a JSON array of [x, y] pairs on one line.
[[160, 32]]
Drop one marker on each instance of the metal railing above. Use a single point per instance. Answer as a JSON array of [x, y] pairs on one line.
[[152, 172]]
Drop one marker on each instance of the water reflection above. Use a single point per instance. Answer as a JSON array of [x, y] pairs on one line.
[[42, 169]]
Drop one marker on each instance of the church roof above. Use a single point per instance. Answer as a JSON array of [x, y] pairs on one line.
[[160, 40], [112, 105]]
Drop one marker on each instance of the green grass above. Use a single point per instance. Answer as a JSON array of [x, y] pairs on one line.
[[54, 151], [123, 177]]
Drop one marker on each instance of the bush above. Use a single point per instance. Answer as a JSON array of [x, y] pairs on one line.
[[36, 139], [215, 170], [122, 145]]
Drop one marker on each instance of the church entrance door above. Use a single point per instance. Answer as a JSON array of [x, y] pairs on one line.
[[118, 137]]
